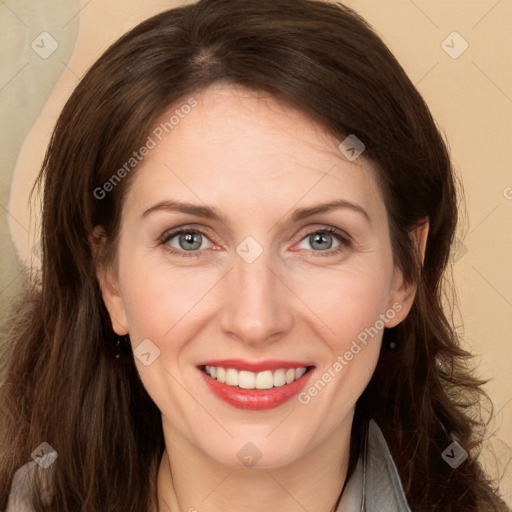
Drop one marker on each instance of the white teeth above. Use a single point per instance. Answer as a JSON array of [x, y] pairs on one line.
[[250, 380], [246, 380], [279, 377], [299, 372], [290, 375], [231, 377], [221, 374], [264, 380]]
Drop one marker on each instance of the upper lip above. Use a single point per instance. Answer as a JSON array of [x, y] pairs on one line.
[[250, 366]]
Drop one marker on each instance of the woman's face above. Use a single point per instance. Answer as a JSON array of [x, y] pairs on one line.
[[266, 281]]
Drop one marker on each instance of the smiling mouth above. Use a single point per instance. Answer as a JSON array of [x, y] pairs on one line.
[[252, 385], [244, 379]]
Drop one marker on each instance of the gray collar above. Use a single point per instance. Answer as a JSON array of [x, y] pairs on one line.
[[374, 485]]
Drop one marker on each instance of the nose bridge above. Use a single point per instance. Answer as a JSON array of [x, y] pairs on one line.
[[256, 307]]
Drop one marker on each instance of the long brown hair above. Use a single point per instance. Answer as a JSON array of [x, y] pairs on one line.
[[61, 380]]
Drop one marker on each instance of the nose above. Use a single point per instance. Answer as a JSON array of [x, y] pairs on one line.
[[258, 306]]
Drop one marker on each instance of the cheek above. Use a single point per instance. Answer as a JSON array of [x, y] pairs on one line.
[[159, 297], [351, 309], [348, 300], [161, 306], [349, 304]]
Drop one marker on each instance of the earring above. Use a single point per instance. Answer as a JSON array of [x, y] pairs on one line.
[[119, 345], [118, 348], [392, 338]]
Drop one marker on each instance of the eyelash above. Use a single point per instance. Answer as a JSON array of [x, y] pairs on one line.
[[343, 238]]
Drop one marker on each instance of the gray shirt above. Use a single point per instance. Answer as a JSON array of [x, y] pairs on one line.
[[374, 486]]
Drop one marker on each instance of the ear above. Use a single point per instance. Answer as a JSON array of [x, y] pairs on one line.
[[402, 292], [108, 281]]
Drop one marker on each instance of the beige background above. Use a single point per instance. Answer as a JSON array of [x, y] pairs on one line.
[[470, 96]]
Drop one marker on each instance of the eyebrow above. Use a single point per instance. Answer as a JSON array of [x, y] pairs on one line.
[[212, 213], [207, 212], [302, 213]]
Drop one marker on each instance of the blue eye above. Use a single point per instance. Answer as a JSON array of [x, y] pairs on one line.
[[191, 242], [186, 240], [321, 240]]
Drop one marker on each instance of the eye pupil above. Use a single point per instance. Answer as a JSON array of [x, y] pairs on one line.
[[193, 239], [321, 238]]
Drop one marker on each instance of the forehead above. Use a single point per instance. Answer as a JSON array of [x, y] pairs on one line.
[[241, 148]]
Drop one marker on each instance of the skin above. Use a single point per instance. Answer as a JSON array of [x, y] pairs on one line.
[[256, 161]]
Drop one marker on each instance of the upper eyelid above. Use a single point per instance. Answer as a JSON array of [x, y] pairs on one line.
[[340, 234], [170, 233]]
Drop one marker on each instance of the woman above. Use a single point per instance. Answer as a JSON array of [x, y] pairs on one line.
[[247, 214]]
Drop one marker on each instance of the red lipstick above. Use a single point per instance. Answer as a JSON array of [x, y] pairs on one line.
[[255, 399]]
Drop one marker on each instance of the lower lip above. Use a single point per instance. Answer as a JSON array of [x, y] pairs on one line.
[[256, 399]]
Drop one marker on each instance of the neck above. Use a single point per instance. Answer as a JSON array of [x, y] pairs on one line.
[[190, 481]]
